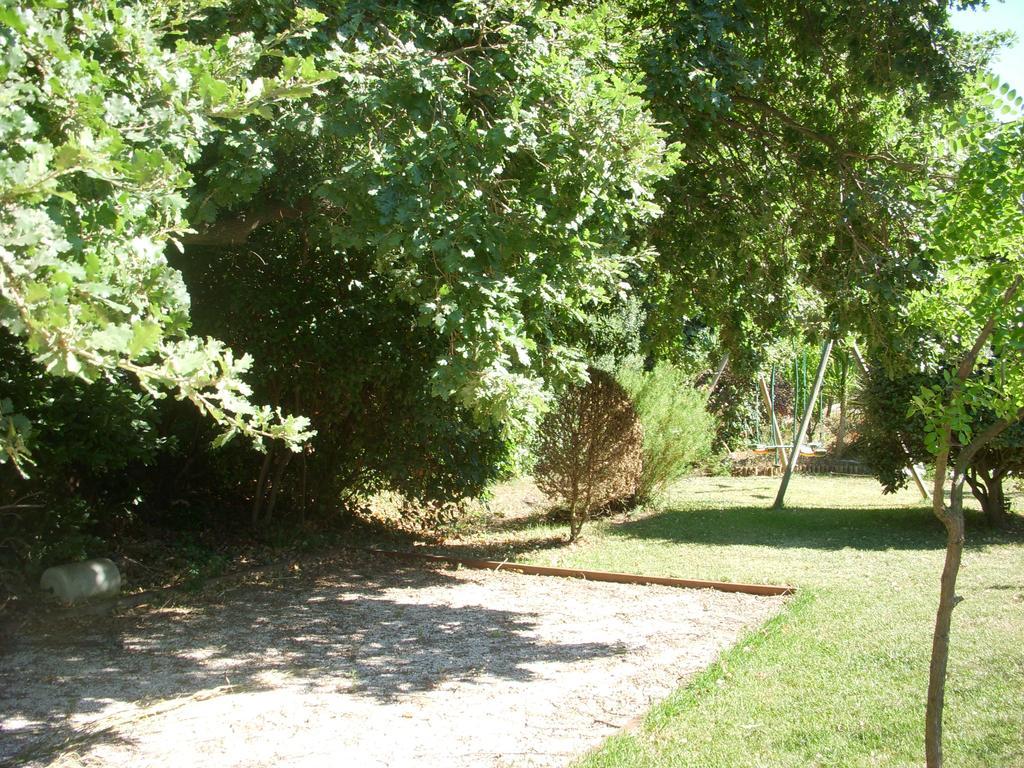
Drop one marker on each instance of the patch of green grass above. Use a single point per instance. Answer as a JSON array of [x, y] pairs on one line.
[[839, 678], [201, 564]]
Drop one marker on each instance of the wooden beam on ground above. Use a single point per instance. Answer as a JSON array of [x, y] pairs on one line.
[[770, 590], [776, 432], [911, 466], [819, 377]]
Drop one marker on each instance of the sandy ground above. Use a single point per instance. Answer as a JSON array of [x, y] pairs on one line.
[[360, 663]]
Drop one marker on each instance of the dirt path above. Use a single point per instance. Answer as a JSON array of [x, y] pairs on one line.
[[362, 664]]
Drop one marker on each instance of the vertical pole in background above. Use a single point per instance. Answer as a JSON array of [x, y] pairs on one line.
[[821, 411], [844, 374], [911, 467], [780, 456], [819, 377], [770, 404], [803, 391], [718, 373], [796, 392]]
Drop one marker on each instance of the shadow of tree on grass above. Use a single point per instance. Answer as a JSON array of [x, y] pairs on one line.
[[910, 528]]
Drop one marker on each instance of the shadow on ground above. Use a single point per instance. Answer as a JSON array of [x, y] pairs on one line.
[[359, 628], [911, 528], [500, 550]]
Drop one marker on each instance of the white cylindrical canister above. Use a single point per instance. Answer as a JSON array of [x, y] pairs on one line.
[[75, 582]]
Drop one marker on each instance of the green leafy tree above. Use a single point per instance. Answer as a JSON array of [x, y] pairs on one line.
[[105, 107], [490, 158], [801, 135], [979, 239], [415, 255]]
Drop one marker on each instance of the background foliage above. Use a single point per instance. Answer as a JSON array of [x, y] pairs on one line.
[[409, 223]]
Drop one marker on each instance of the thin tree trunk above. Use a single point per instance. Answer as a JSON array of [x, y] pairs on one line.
[[574, 528], [303, 490], [953, 519], [997, 515], [261, 488], [282, 464], [940, 643], [841, 430]]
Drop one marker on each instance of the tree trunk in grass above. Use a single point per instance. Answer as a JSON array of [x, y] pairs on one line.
[[996, 513], [952, 517], [987, 487], [575, 524]]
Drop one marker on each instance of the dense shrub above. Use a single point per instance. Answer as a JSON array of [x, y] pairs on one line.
[[90, 448], [890, 431], [678, 430], [590, 448], [329, 342], [736, 406]]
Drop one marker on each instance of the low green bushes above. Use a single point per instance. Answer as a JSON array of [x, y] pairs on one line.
[[678, 430], [622, 438]]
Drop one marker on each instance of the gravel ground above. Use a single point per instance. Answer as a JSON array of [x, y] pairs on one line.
[[359, 663]]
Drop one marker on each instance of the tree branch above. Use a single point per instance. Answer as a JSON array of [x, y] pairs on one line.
[[237, 229], [822, 138], [967, 363], [983, 438]]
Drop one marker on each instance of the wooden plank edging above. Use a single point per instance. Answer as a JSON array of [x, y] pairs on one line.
[[770, 590]]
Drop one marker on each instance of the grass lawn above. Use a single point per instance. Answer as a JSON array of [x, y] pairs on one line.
[[839, 678]]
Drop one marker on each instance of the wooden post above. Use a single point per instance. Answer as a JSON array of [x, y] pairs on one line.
[[776, 432], [718, 373], [911, 467], [844, 378], [819, 377]]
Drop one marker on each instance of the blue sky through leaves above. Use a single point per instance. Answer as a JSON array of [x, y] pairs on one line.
[[1001, 16]]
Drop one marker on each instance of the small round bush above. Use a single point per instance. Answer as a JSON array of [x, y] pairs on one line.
[[590, 448]]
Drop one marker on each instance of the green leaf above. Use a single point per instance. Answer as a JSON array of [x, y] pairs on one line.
[[144, 338]]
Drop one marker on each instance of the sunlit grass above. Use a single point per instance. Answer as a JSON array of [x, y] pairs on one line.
[[839, 679]]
